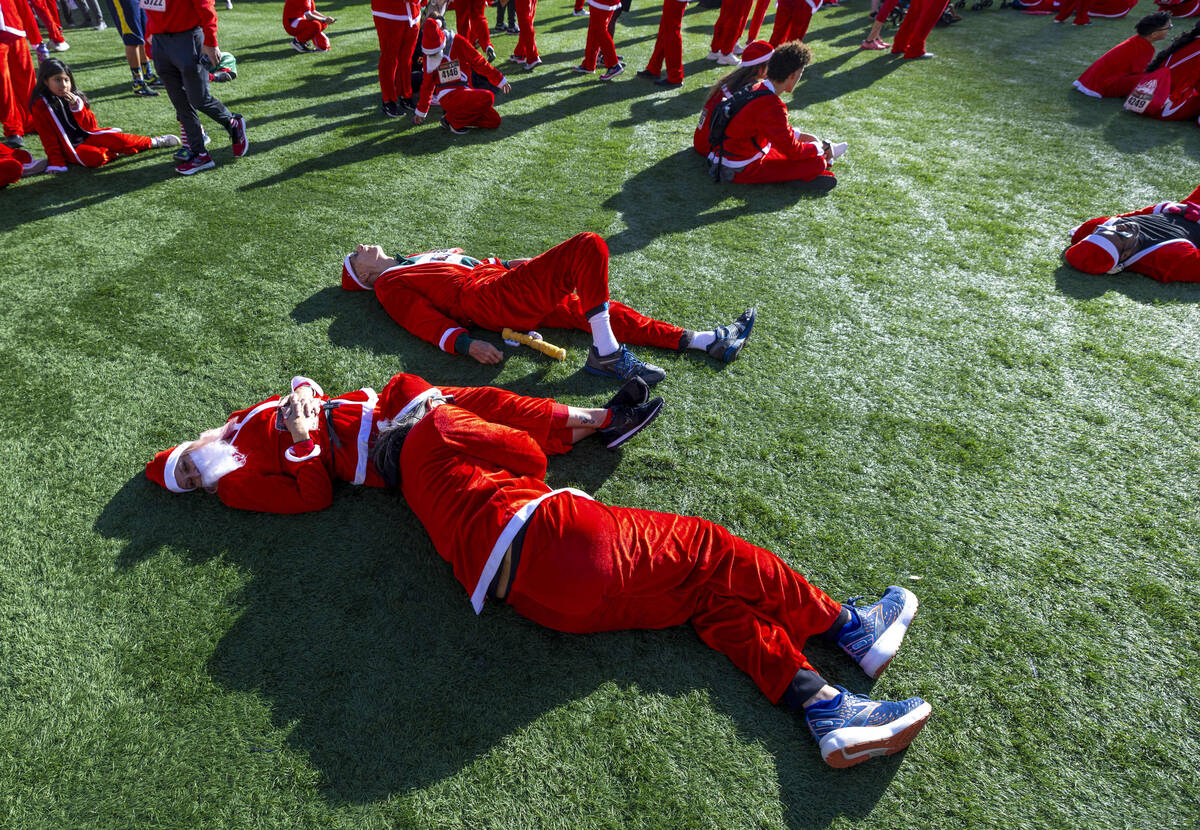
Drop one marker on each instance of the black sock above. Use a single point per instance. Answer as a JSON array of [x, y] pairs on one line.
[[804, 685], [831, 634]]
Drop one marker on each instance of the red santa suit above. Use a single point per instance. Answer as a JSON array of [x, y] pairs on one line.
[[16, 70], [438, 295], [583, 566], [302, 28], [47, 14], [449, 61], [757, 52], [280, 476], [398, 25], [599, 39], [762, 146], [526, 50], [70, 135], [1184, 8], [471, 19], [1183, 100], [918, 22], [12, 164], [668, 47], [1167, 251], [760, 12], [731, 20], [1117, 71], [792, 19]]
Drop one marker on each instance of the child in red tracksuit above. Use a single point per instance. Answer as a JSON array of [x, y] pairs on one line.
[[449, 62], [68, 129], [303, 22]]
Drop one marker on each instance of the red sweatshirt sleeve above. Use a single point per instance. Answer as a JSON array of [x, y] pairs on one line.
[[304, 488], [417, 314], [775, 128], [51, 138]]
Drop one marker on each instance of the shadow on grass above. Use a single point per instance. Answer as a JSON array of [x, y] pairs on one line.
[[374, 666], [82, 187], [1136, 287]]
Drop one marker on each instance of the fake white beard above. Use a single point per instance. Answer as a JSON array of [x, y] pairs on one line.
[[216, 459]]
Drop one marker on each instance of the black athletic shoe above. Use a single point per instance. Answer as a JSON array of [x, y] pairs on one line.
[[628, 421], [635, 392], [731, 338], [668, 83], [446, 126], [390, 109], [648, 75]]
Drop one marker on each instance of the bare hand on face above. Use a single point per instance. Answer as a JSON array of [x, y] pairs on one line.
[[300, 411], [485, 352]]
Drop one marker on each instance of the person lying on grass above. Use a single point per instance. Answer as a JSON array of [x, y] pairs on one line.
[[282, 455], [573, 564], [1159, 241], [439, 294]]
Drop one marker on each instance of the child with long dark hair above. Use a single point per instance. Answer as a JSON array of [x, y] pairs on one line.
[[1182, 59], [67, 126]]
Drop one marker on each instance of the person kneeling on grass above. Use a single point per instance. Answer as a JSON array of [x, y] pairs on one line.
[[1118, 71], [755, 143], [282, 455], [1159, 241], [437, 295], [67, 126], [449, 62], [573, 564], [303, 22]]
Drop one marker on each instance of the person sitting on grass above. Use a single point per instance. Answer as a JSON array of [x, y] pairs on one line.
[[576, 565], [1159, 241], [68, 129], [1117, 71], [759, 143], [752, 70], [437, 295], [304, 23], [282, 455], [448, 63]]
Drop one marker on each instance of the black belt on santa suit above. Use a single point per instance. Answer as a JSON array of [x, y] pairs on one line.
[[499, 590]]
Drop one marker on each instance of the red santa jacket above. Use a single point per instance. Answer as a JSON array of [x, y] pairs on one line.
[[12, 27], [700, 141], [59, 149], [1176, 260], [171, 16], [433, 299], [407, 10], [473, 484], [451, 69], [294, 10], [759, 126], [1129, 57]]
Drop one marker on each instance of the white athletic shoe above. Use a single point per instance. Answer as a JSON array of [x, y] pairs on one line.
[[729, 60], [838, 150], [61, 46], [738, 48], [712, 56]]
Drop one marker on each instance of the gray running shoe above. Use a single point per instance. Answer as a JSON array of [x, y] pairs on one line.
[[622, 365]]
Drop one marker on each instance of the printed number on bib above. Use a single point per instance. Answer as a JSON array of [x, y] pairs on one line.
[[153, 5], [447, 73], [454, 256]]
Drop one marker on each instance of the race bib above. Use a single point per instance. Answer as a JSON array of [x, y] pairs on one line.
[[153, 5], [1150, 94], [447, 73]]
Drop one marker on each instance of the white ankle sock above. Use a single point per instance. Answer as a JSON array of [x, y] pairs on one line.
[[702, 340], [602, 334]]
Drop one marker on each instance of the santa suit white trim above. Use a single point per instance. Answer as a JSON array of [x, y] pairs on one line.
[[1091, 93], [237, 428], [313, 453], [169, 469], [446, 335], [604, 7], [364, 430], [301, 380], [401, 17], [62, 134], [518, 520], [1122, 265]]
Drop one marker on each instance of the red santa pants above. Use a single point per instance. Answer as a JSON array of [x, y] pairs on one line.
[[471, 19], [16, 85], [792, 19], [526, 43], [669, 45], [756, 19], [557, 289], [588, 567], [101, 148], [886, 9], [918, 23], [1120, 86], [47, 13], [543, 419], [1080, 7], [397, 41], [12, 164], [307, 30], [776, 167], [466, 107], [730, 23], [599, 39]]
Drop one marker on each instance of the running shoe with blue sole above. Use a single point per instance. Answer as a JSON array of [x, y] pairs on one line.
[[881, 628], [851, 728]]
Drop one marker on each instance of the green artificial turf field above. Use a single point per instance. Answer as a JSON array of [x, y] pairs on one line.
[[930, 398]]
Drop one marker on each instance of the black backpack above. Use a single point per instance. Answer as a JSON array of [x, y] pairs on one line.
[[723, 113]]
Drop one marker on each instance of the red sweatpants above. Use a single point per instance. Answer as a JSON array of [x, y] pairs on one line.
[[47, 13], [543, 419], [468, 107], [792, 19], [101, 148], [918, 23], [556, 290], [1080, 7], [885, 9], [307, 30], [730, 23], [397, 41], [16, 85], [756, 19], [12, 164], [471, 19], [526, 42], [776, 167], [669, 45], [588, 567], [599, 39]]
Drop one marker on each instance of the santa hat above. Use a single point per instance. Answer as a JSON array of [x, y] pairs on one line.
[[402, 394], [350, 280], [432, 37], [1093, 255], [756, 52], [161, 469]]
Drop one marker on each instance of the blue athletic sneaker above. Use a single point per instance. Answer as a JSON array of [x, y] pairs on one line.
[[731, 338], [622, 365], [851, 728], [882, 625]]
